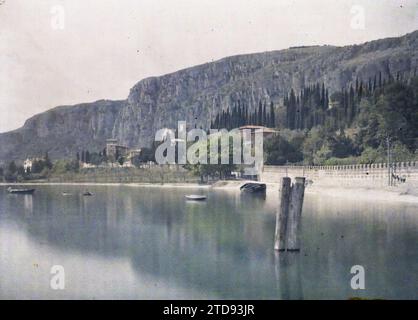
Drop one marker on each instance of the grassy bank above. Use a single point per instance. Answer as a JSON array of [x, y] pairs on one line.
[[156, 174]]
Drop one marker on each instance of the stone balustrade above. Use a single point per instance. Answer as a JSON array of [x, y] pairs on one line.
[[364, 175]]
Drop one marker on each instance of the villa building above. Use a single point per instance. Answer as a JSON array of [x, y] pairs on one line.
[[115, 150], [28, 163]]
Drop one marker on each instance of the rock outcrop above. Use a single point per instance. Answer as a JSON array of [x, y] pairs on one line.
[[62, 131], [198, 93]]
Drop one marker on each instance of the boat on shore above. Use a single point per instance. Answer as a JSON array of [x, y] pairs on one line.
[[20, 191], [253, 187], [195, 197]]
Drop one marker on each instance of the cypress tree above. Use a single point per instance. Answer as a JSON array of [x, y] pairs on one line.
[[260, 114], [272, 116], [351, 104], [264, 116]]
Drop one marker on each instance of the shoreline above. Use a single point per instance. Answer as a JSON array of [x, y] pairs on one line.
[[131, 184], [361, 193]]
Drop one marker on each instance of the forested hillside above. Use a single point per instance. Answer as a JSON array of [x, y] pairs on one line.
[[354, 125], [344, 95]]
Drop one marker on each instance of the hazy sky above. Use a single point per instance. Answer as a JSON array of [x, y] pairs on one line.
[[55, 52]]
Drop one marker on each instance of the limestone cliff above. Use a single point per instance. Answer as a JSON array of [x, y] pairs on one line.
[[196, 94], [62, 131]]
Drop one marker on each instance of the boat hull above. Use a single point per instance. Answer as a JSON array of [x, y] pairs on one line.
[[253, 188], [195, 198], [21, 191]]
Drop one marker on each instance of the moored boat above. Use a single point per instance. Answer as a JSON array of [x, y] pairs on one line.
[[195, 197], [20, 191], [253, 187]]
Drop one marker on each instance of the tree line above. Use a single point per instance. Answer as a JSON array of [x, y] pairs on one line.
[[239, 115], [354, 128]]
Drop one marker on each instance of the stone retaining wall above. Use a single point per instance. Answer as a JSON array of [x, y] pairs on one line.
[[361, 175]]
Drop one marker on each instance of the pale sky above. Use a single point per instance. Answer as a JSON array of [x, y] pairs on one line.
[[101, 48]]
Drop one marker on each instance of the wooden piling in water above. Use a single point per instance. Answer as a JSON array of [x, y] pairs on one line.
[[289, 215], [282, 215], [295, 214]]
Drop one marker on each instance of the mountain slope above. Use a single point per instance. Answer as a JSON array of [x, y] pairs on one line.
[[62, 131], [198, 93]]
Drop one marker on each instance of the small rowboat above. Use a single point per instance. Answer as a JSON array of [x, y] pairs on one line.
[[20, 191], [87, 194], [253, 187], [195, 197]]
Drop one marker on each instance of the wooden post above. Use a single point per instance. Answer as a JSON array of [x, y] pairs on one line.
[[282, 216], [289, 215], [295, 214]]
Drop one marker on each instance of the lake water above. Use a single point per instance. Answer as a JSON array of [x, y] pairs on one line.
[[130, 242]]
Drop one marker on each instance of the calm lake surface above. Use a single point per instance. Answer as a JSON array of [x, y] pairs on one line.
[[129, 242]]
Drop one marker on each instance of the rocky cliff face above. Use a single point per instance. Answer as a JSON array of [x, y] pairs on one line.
[[62, 131], [197, 94]]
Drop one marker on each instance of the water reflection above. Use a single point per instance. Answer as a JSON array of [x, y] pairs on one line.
[[28, 203], [221, 247], [288, 275]]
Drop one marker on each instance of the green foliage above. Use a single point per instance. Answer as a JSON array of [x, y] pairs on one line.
[[64, 166], [308, 108], [14, 173], [239, 115], [278, 151], [214, 170], [401, 153], [312, 144], [147, 154], [121, 160], [96, 158], [72, 166], [41, 165], [20, 171], [333, 161], [323, 154], [12, 168], [370, 155], [370, 111], [47, 161]]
